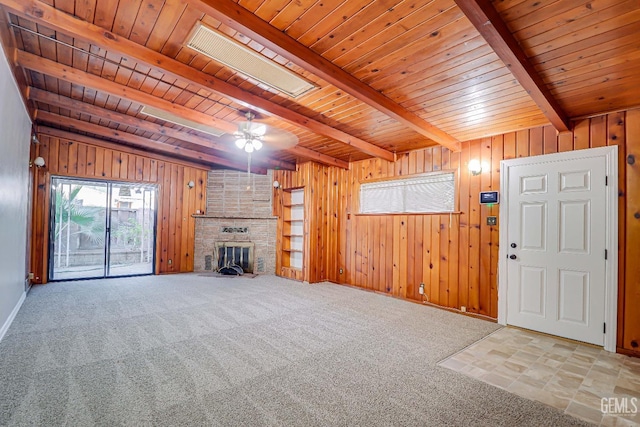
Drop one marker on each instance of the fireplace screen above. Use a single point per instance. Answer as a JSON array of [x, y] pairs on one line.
[[234, 253]]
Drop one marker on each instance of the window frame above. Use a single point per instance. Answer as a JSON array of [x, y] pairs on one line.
[[456, 192]]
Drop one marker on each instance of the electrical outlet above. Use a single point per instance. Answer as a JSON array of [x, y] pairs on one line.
[[463, 309], [421, 289], [31, 275], [170, 262], [341, 271]]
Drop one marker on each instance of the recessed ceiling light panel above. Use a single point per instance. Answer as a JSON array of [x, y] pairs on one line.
[[233, 54], [172, 118]]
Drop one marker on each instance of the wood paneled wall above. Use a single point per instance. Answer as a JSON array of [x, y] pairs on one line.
[[79, 157], [322, 220], [456, 256]]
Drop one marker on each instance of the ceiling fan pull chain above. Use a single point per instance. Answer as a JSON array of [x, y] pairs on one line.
[[248, 171]]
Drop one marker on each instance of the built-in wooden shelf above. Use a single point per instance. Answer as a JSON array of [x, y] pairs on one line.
[[292, 273], [293, 229]]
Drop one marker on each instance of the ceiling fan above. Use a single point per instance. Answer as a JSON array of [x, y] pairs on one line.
[[249, 135], [252, 136]]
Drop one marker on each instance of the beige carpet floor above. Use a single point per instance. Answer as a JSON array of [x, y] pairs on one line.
[[263, 351]]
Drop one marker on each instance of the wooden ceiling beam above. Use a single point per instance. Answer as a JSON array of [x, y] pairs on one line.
[[318, 157], [245, 22], [44, 14], [82, 78], [140, 142], [63, 134], [54, 69], [490, 25], [78, 106]]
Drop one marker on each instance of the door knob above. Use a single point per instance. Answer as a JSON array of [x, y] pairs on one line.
[[513, 245], [512, 257]]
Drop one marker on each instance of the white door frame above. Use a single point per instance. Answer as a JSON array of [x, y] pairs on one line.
[[610, 154]]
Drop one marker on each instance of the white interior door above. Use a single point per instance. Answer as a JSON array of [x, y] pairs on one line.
[[556, 245]]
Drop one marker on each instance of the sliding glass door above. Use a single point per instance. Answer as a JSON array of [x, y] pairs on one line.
[[78, 229], [132, 220], [101, 229]]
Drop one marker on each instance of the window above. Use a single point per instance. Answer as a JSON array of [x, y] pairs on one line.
[[428, 193]]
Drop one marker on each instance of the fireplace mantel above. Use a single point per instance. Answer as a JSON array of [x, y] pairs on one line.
[[234, 217]]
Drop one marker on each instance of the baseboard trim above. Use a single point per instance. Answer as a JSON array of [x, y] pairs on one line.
[[12, 316], [424, 303], [628, 352]]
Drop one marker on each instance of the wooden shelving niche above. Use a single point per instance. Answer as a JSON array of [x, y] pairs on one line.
[[293, 229]]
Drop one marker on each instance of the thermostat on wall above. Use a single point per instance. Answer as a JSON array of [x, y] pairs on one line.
[[487, 197]]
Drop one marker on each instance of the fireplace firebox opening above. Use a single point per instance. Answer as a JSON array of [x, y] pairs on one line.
[[234, 253]]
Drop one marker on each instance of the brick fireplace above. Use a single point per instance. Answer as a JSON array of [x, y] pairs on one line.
[[237, 216]]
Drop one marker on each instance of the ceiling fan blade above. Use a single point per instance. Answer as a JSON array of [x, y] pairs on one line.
[[278, 139], [273, 138], [258, 129], [252, 127]]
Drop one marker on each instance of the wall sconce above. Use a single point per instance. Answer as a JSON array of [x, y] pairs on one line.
[[38, 162], [276, 184], [475, 167], [191, 184]]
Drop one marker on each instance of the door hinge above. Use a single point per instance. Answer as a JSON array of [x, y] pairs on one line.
[[606, 180], [604, 328], [606, 254]]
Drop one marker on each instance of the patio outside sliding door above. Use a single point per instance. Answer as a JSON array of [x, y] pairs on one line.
[[101, 229]]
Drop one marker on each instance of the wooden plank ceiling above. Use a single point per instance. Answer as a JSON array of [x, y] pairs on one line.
[[391, 75]]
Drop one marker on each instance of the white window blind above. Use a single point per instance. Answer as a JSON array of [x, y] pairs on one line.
[[429, 193]]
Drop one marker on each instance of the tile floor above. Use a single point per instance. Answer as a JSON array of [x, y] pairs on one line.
[[571, 376]]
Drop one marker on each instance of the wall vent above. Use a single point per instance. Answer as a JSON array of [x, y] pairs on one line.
[[260, 265], [247, 61], [172, 118]]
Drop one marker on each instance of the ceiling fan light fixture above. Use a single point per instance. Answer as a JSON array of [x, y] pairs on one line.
[[249, 134]]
